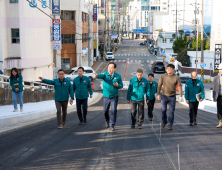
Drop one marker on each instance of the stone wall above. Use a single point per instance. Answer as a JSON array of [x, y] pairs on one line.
[[28, 96]]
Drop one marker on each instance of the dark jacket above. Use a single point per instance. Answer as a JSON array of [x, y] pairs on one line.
[[216, 87], [16, 80]]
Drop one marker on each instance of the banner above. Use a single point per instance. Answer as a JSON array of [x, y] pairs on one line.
[[56, 7], [217, 57], [94, 43], [95, 12], [56, 31]]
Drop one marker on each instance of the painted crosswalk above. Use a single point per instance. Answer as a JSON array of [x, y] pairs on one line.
[[130, 61], [138, 55]]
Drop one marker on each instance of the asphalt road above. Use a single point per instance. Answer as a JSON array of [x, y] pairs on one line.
[[91, 146]]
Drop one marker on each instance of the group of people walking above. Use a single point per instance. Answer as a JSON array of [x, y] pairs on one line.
[[141, 91]]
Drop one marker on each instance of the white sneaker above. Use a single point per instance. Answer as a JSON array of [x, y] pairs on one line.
[[21, 109], [15, 110]]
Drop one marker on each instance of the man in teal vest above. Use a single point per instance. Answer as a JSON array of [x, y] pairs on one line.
[[192, 88], [138, 87], [63, 89], [82, 88], [112, 82], [151, 95]]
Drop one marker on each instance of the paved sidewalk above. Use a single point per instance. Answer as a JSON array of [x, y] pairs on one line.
[[33, 113]]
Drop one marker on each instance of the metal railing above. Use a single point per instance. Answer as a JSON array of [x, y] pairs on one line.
[[33, 86]]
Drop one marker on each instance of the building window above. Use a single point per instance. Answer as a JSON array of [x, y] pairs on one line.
[[84, 38], [68, 38], [13, 1], [15, 36], [65, 63], [68, 15], [83, 17]]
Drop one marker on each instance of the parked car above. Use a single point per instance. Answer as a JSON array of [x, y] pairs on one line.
[[73, 73], [110, 56], [158, 67], [184, 79]]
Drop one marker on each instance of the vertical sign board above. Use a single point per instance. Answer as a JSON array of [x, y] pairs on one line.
[[94, 43], [95, 12], [56, 7], [56, 31], [217, 57]]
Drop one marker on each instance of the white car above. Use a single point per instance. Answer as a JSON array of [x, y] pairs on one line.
[[110, 56], [73, 73]]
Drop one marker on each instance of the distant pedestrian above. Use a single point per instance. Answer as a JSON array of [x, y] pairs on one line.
[[112, 82], [63, 89], [82, 88], [16, 83], [155, 52], [138, 87], [217, 94], [193, 88], [152, 90], [169, 81]]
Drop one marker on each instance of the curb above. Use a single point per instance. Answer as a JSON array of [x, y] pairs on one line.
[[9, 124], [206, 108]]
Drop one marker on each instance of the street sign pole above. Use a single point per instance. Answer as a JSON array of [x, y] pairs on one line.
[[202, 43]]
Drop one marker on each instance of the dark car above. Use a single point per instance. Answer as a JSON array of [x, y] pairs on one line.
[[158, 67], [184, 79]]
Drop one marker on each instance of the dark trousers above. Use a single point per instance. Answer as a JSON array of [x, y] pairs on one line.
[[172, 103], [150, 108], [107, 102], [81, 104], [140, 105], [61, 106], [193, 108], [219, 107]]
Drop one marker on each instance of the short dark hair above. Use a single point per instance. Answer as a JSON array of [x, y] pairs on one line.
[[151, 74], [81, 68], [171, 65], [139, 70], [60, 70], [113, 64]]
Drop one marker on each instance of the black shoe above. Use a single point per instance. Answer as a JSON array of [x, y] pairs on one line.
[[191, 124], [132, 126], [150, 118], [107, 124], [112, 128], [139, 127], [163, 125], [195, 123], [84, 121], [80, 123], [170, 127]]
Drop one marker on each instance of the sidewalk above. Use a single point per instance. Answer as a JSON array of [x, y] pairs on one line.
[[34, 113], [205, 105]]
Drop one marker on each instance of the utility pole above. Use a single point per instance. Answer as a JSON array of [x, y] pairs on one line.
[[195, 17], [105, 34], [89, 39], [176, 20], [108, 28], [197, 43], [202, 48]]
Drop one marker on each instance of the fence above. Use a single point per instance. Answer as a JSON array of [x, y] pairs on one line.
[[28, 85]]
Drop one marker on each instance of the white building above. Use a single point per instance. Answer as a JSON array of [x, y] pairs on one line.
[[25, 41]]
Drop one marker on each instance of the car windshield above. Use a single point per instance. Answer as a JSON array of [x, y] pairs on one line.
[[70, 72], [159, 64], [109, 53]]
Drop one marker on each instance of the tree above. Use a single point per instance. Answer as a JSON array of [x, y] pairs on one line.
[[207, 44], [173, 35], [184, 58], [179, 44], [181, 32], [194, 43]]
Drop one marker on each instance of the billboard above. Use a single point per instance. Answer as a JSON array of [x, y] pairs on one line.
[[56, 31], [217, 57]]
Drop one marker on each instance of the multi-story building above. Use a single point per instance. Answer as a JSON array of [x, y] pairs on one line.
[[25, 39]]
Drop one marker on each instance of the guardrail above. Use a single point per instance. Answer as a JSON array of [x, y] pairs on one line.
[[33, 86]]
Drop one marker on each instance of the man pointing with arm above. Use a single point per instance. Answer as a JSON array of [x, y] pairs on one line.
[[112, 82]]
